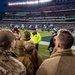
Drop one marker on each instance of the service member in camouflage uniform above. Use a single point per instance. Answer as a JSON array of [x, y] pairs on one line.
[[8, 64], [20, 43]]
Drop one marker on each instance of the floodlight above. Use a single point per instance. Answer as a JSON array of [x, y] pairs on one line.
[[29, 2], [17, 3], [42, 1], [32, 2]]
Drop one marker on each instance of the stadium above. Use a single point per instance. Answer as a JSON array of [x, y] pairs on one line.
[[43, 15]]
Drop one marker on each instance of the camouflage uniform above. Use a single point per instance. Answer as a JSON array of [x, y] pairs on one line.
[[20, 43], [19, 47], [10, 66]]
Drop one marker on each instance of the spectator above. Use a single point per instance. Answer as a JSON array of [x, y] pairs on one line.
[[61, 62], [36, 26], [51, 44], [35, 37], [8, 64], [16, 33], [20, 43], [22, 26], [31, 59], [11, 26], [44, 27], [26, 36]]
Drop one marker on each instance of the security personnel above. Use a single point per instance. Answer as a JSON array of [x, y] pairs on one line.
[[35, 37]]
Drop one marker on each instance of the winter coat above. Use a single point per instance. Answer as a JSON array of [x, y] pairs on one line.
[[59, 63], [29, 64]]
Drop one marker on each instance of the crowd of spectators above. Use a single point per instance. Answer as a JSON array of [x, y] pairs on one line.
[[44, 26]]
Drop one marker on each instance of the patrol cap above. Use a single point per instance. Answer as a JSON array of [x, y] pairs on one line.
[[6, 37], [29, 45]]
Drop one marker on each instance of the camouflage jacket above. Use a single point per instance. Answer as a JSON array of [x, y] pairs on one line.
[[11, 66]]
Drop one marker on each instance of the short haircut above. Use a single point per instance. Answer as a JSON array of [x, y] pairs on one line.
[[27, 35], [66, 39]]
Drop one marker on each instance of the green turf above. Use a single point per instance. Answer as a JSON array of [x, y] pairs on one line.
[[43, 51], [42, 33], [45, 33]]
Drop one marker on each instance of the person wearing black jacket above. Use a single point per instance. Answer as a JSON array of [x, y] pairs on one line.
[[51, 44]]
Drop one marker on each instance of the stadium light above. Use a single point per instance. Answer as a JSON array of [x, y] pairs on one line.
[[43, 1], [29, 2], [32, 2], [17, 3]]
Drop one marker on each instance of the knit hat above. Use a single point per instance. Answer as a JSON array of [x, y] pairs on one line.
[[6, 37], [29, 45]]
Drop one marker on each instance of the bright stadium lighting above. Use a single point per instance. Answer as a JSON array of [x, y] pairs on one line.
[[24, 3], [9, 4], [32, 2], [17, 3], [29, 2], [43, 1]]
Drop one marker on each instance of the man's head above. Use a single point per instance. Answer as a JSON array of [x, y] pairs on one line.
[[27, 35], [6, 39], [34, 31], [64, 40]]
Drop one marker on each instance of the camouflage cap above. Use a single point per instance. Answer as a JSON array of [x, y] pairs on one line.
[[29, 45], [6, 37]]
